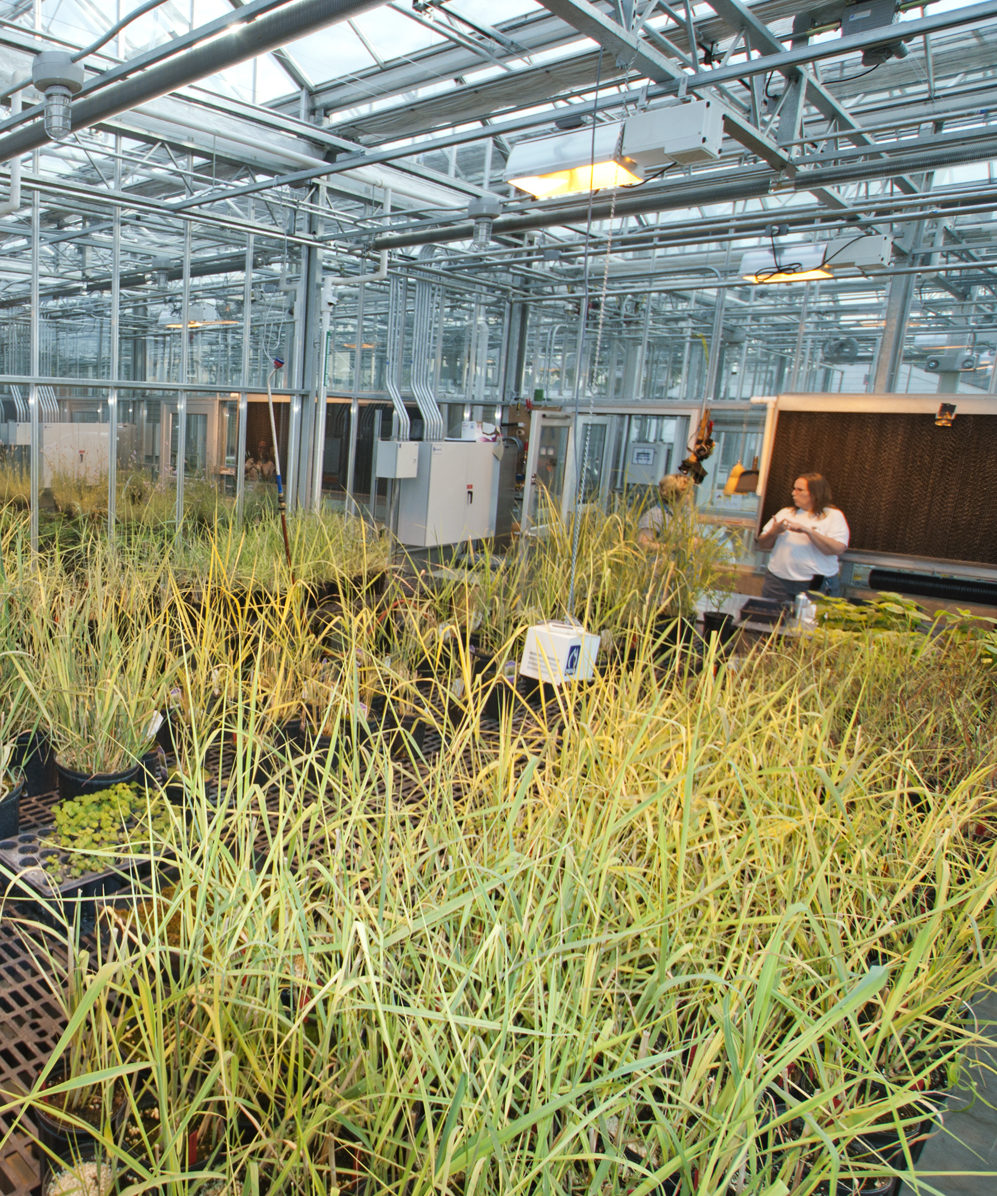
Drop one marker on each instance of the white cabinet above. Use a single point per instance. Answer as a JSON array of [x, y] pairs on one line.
[[453, 496]]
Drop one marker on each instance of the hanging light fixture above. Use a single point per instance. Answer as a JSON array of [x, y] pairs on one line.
[[205, 312], [849, 254], [572, 162], [202, 313], [616, 153], [58, 78], [792, 263], [483, 210]]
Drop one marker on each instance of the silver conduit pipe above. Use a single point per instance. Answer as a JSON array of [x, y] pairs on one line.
[[422, 342], [267, 32], [423, 352], [395, 343], [433, 355], [419, 331]]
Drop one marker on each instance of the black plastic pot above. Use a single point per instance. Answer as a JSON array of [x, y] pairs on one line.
[[60, 1137], [10, 809], [73, 783], [500, 696], [719, 623], [80, 1164], [320, 753], [675, 631], [33, 756], [678, 642], [164, 736], [548, 697], [885, 1148], [398, 732]]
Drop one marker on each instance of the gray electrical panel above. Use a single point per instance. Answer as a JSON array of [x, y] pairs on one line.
[[453, 496]]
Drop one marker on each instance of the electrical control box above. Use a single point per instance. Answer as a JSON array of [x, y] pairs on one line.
[[683, 133], [17, 433], [397, 459], [647, 463], [453, 496], [78, 451], [870, 14]]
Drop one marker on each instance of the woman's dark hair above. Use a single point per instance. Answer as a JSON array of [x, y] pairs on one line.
[[820, 492]]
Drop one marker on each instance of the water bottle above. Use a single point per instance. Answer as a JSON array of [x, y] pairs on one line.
[[805, 609]]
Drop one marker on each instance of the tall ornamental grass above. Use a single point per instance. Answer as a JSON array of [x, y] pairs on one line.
[[701, 934], [699, 926]]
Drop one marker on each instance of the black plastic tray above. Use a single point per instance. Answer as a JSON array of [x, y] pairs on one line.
[[23, 856]]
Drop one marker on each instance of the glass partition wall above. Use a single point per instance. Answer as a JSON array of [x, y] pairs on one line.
[[139, 362]]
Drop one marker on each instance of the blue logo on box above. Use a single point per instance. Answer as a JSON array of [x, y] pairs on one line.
[[571, 664]]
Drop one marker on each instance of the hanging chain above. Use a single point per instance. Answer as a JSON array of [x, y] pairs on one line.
[[583, 471]]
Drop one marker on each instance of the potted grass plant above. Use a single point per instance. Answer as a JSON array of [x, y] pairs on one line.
[[696, 561], [75, 1100], [20, 749], [99, 696], [11, 788], [88, 1173]]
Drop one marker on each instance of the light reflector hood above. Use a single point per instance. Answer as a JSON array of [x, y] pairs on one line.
[[572, 163]]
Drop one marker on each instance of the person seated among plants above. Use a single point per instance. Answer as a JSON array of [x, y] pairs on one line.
[[265, 462], [673, 489]]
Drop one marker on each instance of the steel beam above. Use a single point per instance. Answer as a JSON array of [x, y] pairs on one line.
[[775, 57], [637, 52], [789, 62], [271, 30]]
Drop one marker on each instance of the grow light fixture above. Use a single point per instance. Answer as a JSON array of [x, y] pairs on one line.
[[851, 253], [791, 263], [572, 162], [617, 153], [200, 315]]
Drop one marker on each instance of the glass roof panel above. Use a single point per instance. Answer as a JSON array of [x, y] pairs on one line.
[[257, 81], [80, 22], [342, 50], [377, 37], [351, 46]]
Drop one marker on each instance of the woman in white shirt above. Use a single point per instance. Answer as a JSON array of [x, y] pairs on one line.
[[806, 541]]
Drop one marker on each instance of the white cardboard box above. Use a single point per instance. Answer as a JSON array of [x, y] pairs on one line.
[[557, 652]]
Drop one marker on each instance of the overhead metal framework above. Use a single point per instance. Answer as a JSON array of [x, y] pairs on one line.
[[278, 163]]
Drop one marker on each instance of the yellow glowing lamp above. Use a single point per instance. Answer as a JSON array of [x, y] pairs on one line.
[[814, 275], [578, 180], [796, 263], [572, 163]]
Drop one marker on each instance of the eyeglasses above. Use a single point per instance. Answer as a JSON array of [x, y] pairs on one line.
[[800, 490]]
